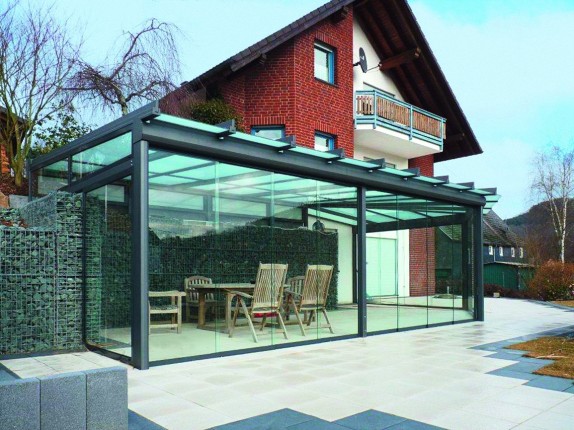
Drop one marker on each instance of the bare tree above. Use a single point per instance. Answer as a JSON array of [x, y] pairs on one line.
[[144, 69], [553, 183], [37, 58]]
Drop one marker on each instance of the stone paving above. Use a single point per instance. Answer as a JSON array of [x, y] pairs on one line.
[[434, 376]]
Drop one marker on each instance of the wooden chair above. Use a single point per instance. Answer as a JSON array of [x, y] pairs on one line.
[[296, 286], [192, 295], [313, 296], [173, 309], [266, 299]]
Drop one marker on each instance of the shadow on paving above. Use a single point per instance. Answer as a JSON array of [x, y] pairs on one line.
[[287, 419]]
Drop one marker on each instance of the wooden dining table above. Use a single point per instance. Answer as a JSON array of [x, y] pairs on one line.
[[218, 290]]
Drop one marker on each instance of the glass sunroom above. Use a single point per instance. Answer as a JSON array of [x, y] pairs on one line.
[[189, 228]]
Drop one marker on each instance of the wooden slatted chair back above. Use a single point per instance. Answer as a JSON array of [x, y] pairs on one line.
[[268, 291], [296, 284], [316, 285], [192, 293]]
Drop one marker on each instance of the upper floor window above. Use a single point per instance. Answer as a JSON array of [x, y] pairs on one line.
[[512, 252], [269, 131], [324, 63], [490, 250], [501, 251], [324, 141], [521, 251]]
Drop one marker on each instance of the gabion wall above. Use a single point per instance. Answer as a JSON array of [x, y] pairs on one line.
[[41, 275]]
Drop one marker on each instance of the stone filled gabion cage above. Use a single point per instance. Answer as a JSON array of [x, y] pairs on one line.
[[41, 275]]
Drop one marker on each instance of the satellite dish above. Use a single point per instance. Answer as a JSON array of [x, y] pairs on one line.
[[362, 60]]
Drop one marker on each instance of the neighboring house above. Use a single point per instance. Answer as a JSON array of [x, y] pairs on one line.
[[332, 185], [505, 261], [300, 81]]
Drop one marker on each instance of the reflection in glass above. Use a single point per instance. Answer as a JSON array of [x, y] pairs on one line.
[[415, 253], [101, 155], [50, 178], [222, 222], [107, 246]]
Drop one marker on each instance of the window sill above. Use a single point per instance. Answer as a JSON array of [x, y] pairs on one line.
[[326, 82]]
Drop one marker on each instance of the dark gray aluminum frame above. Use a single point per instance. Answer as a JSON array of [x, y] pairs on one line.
[[239, 149]]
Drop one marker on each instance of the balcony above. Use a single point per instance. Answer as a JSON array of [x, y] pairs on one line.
[[392, 126]]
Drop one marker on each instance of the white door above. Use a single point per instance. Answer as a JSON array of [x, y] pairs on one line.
[[381, 267]]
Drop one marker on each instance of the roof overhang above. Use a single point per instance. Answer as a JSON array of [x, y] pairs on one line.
[[395, 33]]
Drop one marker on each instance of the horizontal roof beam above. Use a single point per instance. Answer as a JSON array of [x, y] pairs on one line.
[[400, 59]]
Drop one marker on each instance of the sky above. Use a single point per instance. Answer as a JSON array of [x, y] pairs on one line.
[[508, 62]]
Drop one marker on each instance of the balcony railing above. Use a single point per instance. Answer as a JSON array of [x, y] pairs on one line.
[[377, 108]]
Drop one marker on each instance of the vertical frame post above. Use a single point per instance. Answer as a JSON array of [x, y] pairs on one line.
[[140, 277], [478, 262], [362, 259]]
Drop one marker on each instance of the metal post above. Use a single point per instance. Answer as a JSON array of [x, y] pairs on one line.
[[478, 263], [466, 260], [375, 109], [140, 279], [411, 122], [362, 260]]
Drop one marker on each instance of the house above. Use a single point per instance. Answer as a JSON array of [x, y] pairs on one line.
[[334, 174], [299, 82], [505, 260]]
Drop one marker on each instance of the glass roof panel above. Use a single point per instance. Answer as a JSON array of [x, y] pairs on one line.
[[456, 186], [428, 179], [174, 163], [359, 163], [314, 153], [214, 130], [397, 172]]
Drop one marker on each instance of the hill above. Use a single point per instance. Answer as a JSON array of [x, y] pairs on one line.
[[535, 229]]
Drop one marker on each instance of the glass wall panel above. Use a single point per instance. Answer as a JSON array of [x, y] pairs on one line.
[[107, 245], [413, 301], [102, 155], [385, 261], [415, 254], [50, 178], [464, 304], [251, 250]]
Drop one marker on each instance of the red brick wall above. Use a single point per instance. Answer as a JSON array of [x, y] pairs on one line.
[[283, 89], [422, 258]]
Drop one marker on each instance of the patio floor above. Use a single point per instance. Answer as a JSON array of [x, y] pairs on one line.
[[167, 344], [431, 376]]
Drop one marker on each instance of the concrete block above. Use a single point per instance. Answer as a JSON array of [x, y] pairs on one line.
[[20, 404], [107, 399], [63, 401]]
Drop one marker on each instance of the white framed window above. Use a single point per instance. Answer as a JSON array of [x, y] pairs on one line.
[[269, 131], [512, 252], [521, 251], [324, 63], [490, 250], [501, 251], [324, 141]]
